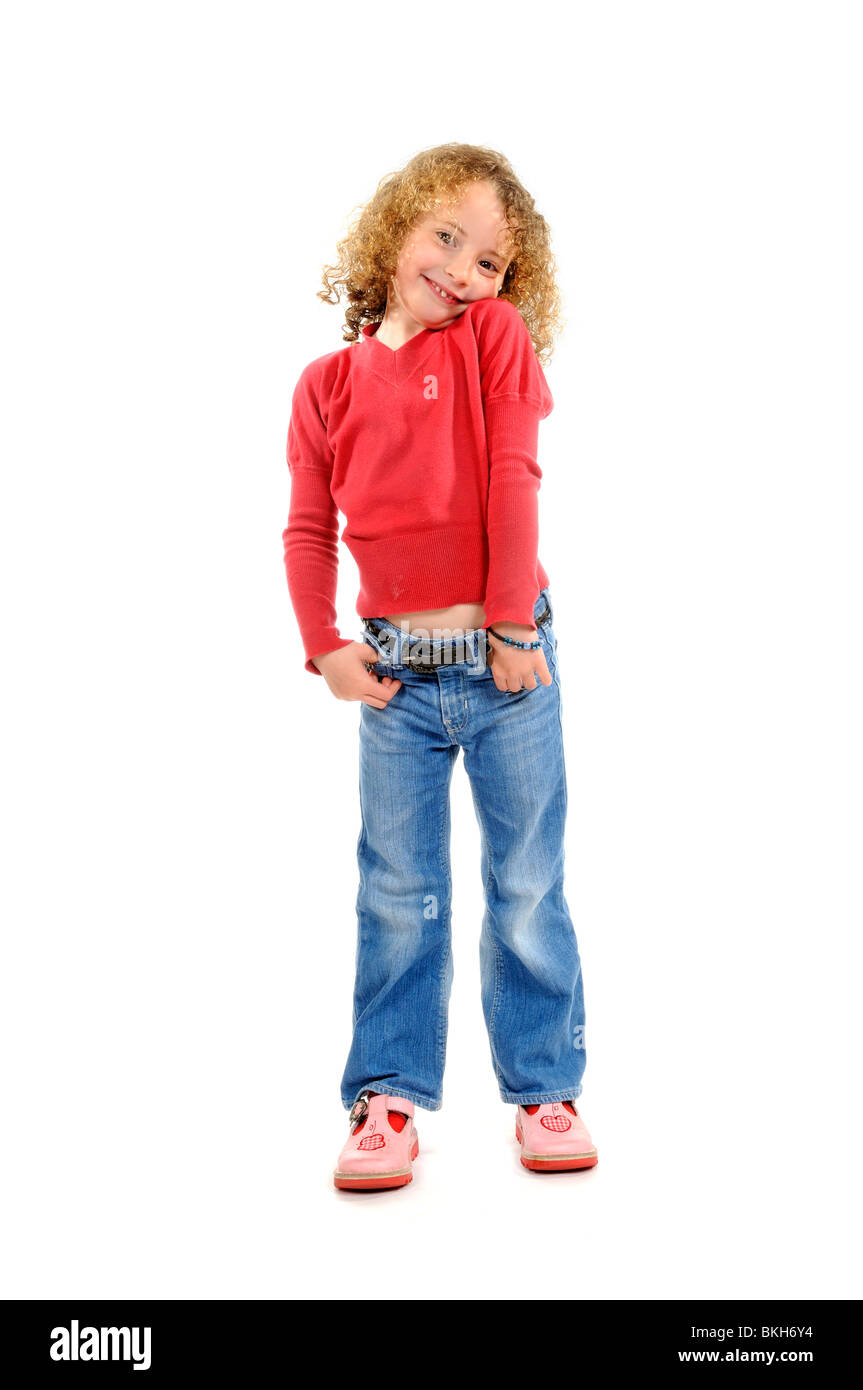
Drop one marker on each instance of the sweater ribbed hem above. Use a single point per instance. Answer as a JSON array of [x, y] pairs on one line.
[[420, 569]]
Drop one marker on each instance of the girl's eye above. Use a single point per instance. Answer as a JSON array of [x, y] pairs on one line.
[[491, 267]]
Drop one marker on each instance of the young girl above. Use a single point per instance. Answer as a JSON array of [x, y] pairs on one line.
[[423, 433]]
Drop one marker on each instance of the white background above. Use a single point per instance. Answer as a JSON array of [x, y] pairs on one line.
[[180, 805]]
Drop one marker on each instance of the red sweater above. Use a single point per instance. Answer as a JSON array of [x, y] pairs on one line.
[[430, 452]]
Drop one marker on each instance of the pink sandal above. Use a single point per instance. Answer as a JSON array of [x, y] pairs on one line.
[[553, 1137], [380, 1150]]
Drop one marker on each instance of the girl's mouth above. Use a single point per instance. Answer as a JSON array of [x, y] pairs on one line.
[[441, 294]]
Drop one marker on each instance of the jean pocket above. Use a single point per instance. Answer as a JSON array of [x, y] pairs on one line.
[[545, 632], [551, 653], [548, 609], [371, 639], [548, 640]]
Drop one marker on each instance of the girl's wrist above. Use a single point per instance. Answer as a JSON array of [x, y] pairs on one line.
[[515, 635], [518, 630]]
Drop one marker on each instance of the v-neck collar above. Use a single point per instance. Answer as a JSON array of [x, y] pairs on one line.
[[395, 365]]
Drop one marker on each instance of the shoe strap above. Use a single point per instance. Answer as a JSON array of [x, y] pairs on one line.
[[404, 1107], [366, 1105]]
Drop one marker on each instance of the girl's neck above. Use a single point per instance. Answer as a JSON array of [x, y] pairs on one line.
[[396, 328]]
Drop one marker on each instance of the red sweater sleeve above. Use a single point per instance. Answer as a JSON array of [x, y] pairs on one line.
[[516, 397], [310, 539]]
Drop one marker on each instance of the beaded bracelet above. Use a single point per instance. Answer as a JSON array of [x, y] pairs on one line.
[[511, 641]]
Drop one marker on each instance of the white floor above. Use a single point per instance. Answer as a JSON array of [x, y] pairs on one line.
[[693, 1199], [173, 1119]]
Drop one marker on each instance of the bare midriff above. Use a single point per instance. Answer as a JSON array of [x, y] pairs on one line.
[[459, 617]]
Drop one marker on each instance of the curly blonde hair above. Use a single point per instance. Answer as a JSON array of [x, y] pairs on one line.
[[368, 255]]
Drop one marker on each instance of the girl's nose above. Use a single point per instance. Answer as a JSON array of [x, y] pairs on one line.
[[458, 275]]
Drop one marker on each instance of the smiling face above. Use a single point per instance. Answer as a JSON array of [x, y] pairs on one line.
[[456, 254]]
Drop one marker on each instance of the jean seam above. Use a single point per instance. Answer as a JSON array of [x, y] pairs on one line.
[[498, 967], [498, 990], [361, 841], [446, 878], [563, 750]]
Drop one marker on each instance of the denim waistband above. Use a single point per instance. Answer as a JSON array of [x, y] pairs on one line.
[[426, 654]]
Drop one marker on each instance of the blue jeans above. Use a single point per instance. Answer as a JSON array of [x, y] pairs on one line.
[[532, 995]]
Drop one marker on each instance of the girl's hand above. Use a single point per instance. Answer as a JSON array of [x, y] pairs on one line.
[[512, 667], [348, 677]]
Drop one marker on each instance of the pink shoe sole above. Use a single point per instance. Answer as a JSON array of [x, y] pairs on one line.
[[376, 1181], [559, 1162]]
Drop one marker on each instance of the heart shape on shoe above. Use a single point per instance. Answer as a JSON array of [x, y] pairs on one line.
[[558, 1123]]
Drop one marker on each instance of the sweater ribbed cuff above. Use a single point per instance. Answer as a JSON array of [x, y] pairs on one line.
[[319, 643]]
